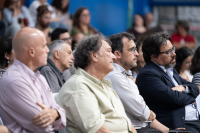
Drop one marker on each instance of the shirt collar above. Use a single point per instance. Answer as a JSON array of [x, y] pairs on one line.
[[164, 69], [122, 70], [52, 65], [80, 71], [25, 69]]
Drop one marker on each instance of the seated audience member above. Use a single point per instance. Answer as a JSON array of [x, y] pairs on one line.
[[7, 54], [183, 62], [60, 58], [26, 101], [182, 38], [165, 92], [140, 60], [90, 103], [195, 67], [33, 9], [61, 10], [149, 21], [15, 14], [123, 47], [81, 24], [43, 21], [139, 26], [63, 34]]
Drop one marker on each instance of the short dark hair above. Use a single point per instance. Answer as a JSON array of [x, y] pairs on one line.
[[152, 44], [181, 55], [195, 67], [42, 10], [116, 40], [58, 5], [56, 33], [85, 47], [183, 24], [6, 47]]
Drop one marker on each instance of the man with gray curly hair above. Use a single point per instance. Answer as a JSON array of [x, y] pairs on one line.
[[60, 58], [90, 103]]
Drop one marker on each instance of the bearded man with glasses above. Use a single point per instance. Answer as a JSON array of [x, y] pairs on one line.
[[165, 92]]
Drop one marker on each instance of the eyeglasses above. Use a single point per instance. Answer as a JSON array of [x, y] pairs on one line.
[[132, 50], [169, 52], [66, 39]]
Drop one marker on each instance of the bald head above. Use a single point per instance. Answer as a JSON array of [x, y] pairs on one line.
[[28, 44], [26, 38]]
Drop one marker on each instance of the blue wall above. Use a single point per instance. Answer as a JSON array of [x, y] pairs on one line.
[[108, 16]]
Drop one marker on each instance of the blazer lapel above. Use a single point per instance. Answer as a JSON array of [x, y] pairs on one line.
[[176, 77]]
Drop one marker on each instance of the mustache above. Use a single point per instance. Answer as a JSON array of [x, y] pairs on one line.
[[135, 58]]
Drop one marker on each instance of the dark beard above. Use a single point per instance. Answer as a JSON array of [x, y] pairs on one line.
[[44, 26]]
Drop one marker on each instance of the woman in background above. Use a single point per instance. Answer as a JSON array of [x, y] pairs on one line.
[[140, 60], [183, 62], [181, 38], [195, 67], [81, 24], [7, 54], [62, 20], [139, 26]]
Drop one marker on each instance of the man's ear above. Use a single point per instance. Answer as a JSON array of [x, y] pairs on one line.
[[93, 56], [31, 52], [56, 54], [7, 56], [118, 54]]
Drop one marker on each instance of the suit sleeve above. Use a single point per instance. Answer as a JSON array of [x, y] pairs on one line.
[[153, 89]]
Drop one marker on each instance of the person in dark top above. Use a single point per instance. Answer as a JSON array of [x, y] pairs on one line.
[[60, 58]]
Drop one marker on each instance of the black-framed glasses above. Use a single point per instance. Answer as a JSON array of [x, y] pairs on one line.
[[66, 39], [132, 50], [169, 52]]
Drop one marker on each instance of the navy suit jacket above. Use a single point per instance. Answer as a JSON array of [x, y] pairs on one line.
[[168, 105]]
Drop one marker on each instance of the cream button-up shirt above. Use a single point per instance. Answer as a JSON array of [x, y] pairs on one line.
[[90, 104]]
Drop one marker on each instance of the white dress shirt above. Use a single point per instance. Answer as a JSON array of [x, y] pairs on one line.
[[134, 104]]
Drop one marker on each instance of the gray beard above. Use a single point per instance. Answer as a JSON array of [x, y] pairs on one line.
[[170, 66]]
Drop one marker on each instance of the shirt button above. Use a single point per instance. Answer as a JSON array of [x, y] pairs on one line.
[[183, 118]]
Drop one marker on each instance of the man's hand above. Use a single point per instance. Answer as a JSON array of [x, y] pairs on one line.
[[46, 117], [133, 129], [103, 130], [152, 116], [179, 88]]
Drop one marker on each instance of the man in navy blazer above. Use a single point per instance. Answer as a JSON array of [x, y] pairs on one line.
[[165, 92]]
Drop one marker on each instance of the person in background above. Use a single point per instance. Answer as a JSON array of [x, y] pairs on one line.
[[43, 21], [182, 38], [16, 16], [26, 101], [63, 34], [2, 24], [33, 9], [139, 26], [140, 61], [81, 24], [195, 67], [7, 54], [60, 58], [183, 62], [62, 19], [149, 20], [90, 103]]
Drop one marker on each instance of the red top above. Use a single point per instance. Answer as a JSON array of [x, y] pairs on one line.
[[177, 38]]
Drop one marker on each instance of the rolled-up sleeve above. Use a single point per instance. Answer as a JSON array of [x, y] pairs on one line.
[[133, 102]]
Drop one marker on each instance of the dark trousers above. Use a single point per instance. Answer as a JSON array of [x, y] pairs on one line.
[[193, 126]]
